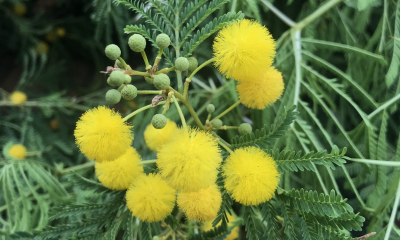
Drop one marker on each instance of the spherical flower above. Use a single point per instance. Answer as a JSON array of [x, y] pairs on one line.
[[18, 97], [251, 176], [150, 198], [102, 135], [61, 32], [42, 48], [263, 92], [207, 226], [189, 161], [202, 205], [19, 9], [243, 50], [155, 138], [119, 174], [17, 151]]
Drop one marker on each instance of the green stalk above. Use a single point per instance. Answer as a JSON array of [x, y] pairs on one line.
[[224, 146], [180, 112], [201, 66], [78, 167], [384, 106], [394, 213], [148, 161], [375, 162], [149, 92], [146, 61], [123, 62], [177, 52], [165, 70], [189, 107], [141, 110], [229, 127], [227, 110]]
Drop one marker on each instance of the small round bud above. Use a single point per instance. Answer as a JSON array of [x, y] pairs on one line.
[[116, 78], [163, 40], [217, 123], [149, 80], [129, 92], [113, 52], [244, 128], [210, 108], [137, 43], [193, 64], [128, 78], [181, 64], [161, 81], [113, 96], [119, 64], [159, 121]]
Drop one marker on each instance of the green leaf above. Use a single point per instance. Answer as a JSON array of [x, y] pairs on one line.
[[249, 218], [265, 139], [393, 71], [269, 214]]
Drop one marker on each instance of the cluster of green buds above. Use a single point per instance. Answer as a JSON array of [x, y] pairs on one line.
[[216, 123], [120, 76]]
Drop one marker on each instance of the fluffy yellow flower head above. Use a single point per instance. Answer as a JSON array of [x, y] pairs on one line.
[[190, 160], [155, 138], [243, 50], [150, 198], [18, 151], [202, 205], [207, 226], [251, 176], [102, 135], [119, 174], [262, 92], [18, 97], [42, 48]]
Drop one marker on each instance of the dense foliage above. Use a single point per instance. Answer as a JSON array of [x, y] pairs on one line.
[[340, 61]]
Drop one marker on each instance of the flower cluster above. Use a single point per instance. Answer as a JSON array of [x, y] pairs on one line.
[[244, 51]]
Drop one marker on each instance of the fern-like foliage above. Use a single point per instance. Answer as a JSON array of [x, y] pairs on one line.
[[264, 138], [288, 222], [210, 28], [269, 214], [249, 217], [316, 204], [293, 161]]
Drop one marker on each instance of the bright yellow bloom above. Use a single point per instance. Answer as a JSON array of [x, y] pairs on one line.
[[244, 50], [18, 151], [102, 135], [18, 97], [263, 92], [150, 198], [207, 226], [155, 138], [61, 32], [190, 160], [19, 9], [202, 205], [251, 176], [119, 174], [42, 48]]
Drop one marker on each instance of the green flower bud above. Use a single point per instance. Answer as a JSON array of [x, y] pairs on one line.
[[159, 121], [149, 80], [116, 78], [217, 123], [181, 64], [113, 96], [161, 81], [119, 64], [137, 43], [129, 92], [193, 64], [163, 40], [113, 52], [210, 108], [244, 128], [128, 79]]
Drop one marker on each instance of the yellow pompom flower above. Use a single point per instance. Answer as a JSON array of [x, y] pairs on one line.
[[42, 48], [18, 97], [243, 50], [19, 9], [202, 205], [263, 92], [207, 226], [251, 176], [61, 32], [17, 151], [119, 174], [189, 161], [155, 138], [102, 135], [150, 198]]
